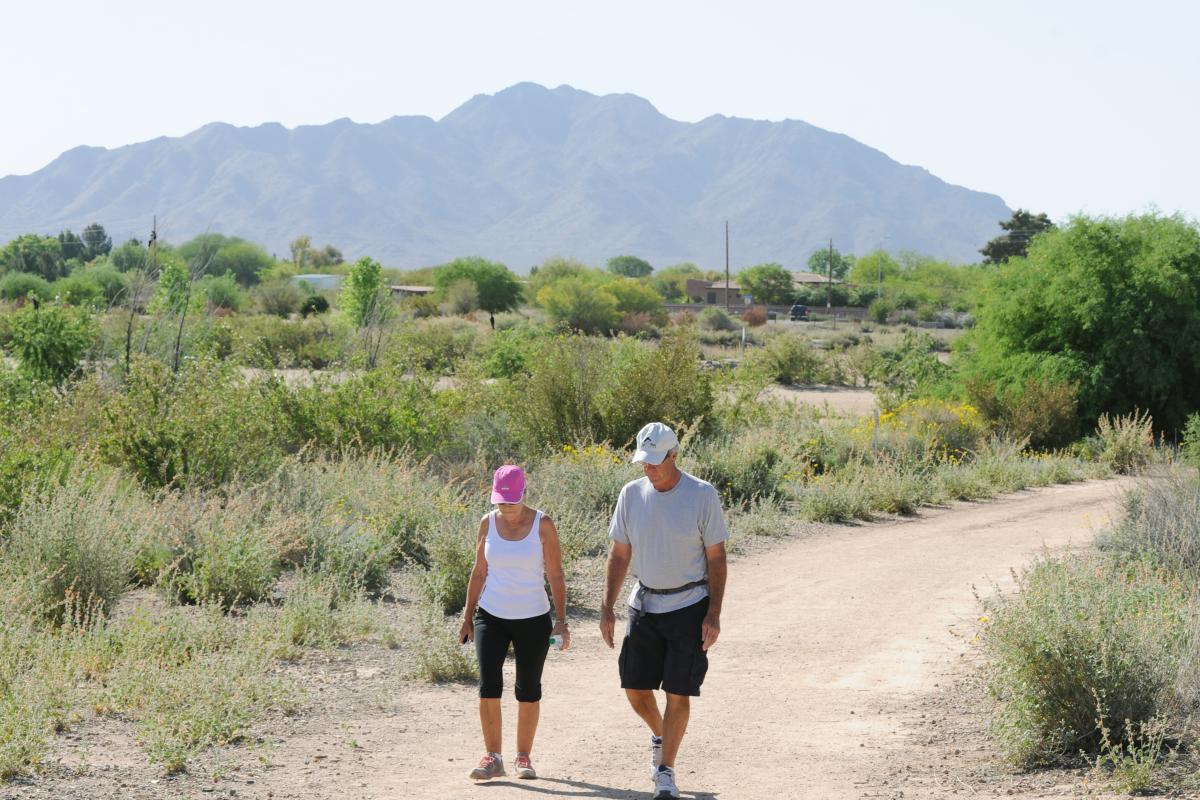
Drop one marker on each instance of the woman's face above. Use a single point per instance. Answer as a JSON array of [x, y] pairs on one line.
[[511, 511]]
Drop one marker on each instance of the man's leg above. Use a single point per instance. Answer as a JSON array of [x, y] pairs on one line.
[[646, 706], [675, 722]]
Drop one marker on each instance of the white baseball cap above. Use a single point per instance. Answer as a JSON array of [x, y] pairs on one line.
[[653, 443]]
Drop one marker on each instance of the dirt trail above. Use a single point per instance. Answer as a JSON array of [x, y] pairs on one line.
[[830, 643]]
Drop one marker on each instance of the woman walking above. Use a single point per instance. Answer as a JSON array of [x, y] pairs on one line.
[[516, 554]]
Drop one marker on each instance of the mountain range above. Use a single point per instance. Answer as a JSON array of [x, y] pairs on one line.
[[517, 176]]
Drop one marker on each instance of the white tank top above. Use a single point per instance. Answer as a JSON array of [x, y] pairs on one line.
[[515, 587]]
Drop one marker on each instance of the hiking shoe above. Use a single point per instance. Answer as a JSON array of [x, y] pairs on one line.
[[655, 755], [490, 766], [524, 767], [664, 784]]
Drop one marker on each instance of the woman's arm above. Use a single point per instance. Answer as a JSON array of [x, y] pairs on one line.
[[475, 586], [552, 556]]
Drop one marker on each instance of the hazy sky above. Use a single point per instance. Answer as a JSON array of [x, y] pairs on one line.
[[1056, 106]]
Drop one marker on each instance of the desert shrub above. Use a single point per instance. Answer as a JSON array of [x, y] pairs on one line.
[[1084, 642], [381, 409], [578, 487], [462, 297], [755, 316], [317, 614], [272, 342], [451, 553], [715, 319], [313, 305], [512, 351], [437, 345], [22, 285], [788, 360], [638, 323], [50, 342], [281, 298], [1128, 441], [79, 289], [927, 429], [908, 369], [221, 552], [742, 468], [114, 286], [585, 389], [69, 548], [1161, 523], [439, 657], [1043, 412], [764, 517], [222, 291], [201, 426], [579, 304]]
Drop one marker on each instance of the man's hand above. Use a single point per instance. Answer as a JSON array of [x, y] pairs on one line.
[[710, 630], [608, 625]]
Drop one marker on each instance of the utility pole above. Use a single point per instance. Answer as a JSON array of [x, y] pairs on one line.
[[829, 285], [726, 266]]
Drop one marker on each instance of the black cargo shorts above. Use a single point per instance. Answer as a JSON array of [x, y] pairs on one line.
[[664, 650]]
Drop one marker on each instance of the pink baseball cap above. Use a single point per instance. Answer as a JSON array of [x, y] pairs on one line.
[[508, 484]]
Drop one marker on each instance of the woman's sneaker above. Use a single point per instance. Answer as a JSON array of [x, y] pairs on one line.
[[490, 766], [524, 767], [655, 754], [664, 784]]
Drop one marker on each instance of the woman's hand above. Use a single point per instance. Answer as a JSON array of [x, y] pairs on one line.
[[560, 629], [466, 632]]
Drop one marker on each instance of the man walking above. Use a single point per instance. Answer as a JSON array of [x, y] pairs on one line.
[[669, 527]]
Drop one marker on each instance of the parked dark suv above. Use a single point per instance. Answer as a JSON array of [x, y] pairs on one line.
[[799, 313]]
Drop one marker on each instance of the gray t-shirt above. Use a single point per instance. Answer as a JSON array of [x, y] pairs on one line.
[[668, 532]]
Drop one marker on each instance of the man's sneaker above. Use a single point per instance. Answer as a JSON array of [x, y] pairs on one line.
[[524, 766], [655, 755], [664, 784], [490, 766]]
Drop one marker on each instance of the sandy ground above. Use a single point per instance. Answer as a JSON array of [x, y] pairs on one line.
[[845, 669], [839, 400]]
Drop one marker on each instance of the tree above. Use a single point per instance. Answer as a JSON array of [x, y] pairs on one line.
[[50, 341], [635, 297], [301, 248], [1019, 232], [361, 295], [72, 246], [497, 286], [37, 255], [873, 268], [97, 241], [1106, 304], [767, 283], [553, 269], [579, 304], [629, 266], [129, 256], [671, 282], [819, 262], [216, 254]]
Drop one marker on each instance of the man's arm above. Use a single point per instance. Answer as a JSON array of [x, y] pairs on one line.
[[717, 572], [619, 556]]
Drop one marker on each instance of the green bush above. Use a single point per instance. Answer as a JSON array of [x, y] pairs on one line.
[[1041, 411], [1083, 640], [788, 360], [715, 319], [314, 304], [437, 345], [1161, 524], [579, 304], [79, 289], [272, 342], [20, 285], [222, 291], [202, 426], [744, 469], [50, 342], [512, 351], [281, 298]]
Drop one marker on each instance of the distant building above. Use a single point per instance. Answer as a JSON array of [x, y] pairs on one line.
[[713, 293], [410, 291]]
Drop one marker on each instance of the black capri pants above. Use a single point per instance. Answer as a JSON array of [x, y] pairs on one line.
[[530, 639]]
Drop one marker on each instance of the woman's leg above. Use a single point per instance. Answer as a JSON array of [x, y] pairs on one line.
[[531, 642], [491, 646]]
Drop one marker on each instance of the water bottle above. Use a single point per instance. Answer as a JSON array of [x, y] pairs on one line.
[[557, 641]]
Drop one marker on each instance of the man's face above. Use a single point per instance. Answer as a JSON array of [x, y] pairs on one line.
[[660, 473]]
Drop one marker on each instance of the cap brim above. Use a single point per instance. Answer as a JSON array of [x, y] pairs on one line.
[[499, 498], [644, 456]]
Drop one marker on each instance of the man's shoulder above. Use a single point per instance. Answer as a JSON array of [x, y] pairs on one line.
[[698, 484], [637, 486]]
